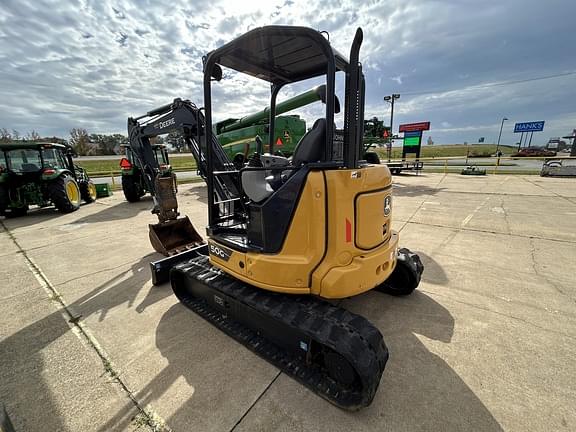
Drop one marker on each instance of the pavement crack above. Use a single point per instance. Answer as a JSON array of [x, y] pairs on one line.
[[440, 181], [476, 210], [506, 216], [490, 232], [475, 306], [97, 272], [546, 190], [409, 220], [541, 275], [255, 402], [151, 418], [506, 194]]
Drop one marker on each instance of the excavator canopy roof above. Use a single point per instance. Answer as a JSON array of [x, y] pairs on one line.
[[279, 54]]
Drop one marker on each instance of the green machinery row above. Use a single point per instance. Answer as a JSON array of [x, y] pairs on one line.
[[237, 136], [238, 139]]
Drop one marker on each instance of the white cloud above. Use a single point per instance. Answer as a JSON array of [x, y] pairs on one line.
[[93, 63]]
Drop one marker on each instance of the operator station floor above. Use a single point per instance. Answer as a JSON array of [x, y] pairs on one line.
[[486, 343]]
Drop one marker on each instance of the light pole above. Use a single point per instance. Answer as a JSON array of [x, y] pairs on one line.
[[500, 135], [390, 99]]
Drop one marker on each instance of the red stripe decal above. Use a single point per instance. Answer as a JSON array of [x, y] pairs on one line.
[[348, 231]]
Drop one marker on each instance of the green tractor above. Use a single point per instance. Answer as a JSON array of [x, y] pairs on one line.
[[41, 174], [134, 185]]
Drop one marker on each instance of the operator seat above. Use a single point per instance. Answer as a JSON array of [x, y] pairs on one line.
[[30, 167], [310, 147], [259, 185]]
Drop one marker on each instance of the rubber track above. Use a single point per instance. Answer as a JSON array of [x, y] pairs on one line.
[[352, 336]]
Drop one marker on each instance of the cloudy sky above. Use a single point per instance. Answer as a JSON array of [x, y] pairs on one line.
[[462, 65]]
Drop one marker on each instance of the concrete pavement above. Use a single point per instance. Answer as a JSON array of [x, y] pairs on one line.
[[486, 343]]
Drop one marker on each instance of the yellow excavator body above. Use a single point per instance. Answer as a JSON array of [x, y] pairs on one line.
[[339, 244]]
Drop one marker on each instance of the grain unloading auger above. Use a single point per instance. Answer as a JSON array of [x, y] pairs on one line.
[[286, 234]]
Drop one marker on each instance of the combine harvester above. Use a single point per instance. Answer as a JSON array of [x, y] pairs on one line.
[[285, 234], [238, 136]]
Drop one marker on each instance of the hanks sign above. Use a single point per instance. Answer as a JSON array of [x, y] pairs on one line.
[[529, 127]]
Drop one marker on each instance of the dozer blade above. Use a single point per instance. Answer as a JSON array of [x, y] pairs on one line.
[[174, 236]]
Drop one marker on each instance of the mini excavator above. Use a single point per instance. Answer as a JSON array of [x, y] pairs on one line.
[[285, 235]]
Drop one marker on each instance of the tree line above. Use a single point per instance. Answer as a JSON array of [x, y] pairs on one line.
[[85, 144]]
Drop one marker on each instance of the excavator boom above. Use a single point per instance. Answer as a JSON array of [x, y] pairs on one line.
[[173, 235]]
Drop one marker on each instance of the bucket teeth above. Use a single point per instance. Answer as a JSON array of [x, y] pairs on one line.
[[174, 236]]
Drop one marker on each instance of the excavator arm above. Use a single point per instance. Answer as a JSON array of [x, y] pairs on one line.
[[172, 235], [184, 117]]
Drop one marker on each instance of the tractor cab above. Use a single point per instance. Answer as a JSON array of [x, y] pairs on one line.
[[30, 162], [41, 174]]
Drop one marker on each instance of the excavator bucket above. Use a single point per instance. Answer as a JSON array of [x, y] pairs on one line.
[[174, 236]]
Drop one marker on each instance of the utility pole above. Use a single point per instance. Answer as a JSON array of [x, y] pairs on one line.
[[390, 99], [499, 136]]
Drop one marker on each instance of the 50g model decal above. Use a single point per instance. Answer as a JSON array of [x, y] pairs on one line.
[[219, 251]]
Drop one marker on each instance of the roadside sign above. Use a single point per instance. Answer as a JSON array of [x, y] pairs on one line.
[[412, 134], [411, 127], [536, 126], [412, 141]]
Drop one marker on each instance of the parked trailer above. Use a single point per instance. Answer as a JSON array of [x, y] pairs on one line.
[[398, 167]]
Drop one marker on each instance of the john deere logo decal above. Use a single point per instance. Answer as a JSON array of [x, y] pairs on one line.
[[387, 205]]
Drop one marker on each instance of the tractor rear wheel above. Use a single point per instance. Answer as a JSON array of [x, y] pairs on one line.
[[3, 200], [65, 194], [10, 212], [131, 188], [88, 191]]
